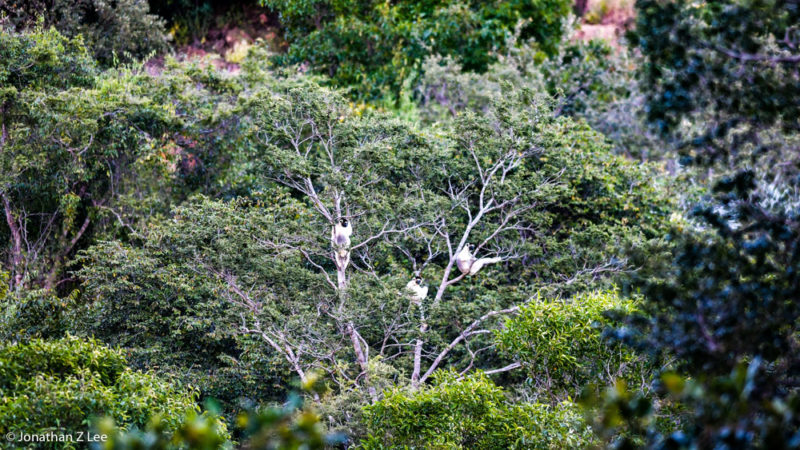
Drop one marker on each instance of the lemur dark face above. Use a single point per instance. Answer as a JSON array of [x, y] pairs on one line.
[[343, 222], [418, 280], [471, 247]]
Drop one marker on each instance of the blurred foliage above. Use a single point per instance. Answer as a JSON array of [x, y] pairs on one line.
[[114, 29], [469, 412], [728, 65], [195, 431], [725, 311], [374, 46], [730, 411], [63, 385], [725, 308], [291, 426], [587, 80]]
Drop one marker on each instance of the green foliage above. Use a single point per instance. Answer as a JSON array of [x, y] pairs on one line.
[[154, 301], [186, 217], [586, 80], [230, 285], [374, 46], [88, 154], [725, 308], [36, 313], [113, 29], [40, 59], [293, 425], [195, 431], [67, 383], [732, 411], [560, 342], [469, 412], [730, 65]]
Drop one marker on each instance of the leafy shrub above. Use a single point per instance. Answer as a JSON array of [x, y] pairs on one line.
[[469, 412], [35, 313], [112, 28], [63, 385], [40, 59], [375, 45], [560, 342]]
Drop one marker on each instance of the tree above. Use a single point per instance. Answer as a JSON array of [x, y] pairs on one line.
[[259, 282], [87, 154], [113, 30]]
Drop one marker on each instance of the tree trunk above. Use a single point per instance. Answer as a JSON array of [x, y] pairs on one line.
[[443, 284], [342, 260], [418, 357], [17, 272], [50, 281], [580, 7]]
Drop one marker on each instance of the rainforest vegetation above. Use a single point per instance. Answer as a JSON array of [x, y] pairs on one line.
[[450, 224]]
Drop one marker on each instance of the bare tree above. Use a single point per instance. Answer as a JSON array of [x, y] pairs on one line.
[[312, 151]]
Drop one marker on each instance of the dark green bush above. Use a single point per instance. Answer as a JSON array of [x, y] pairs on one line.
[[42, 58], [375, 45], [726, 306], [111, 28]]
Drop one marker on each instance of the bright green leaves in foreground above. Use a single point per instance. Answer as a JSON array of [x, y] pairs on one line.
[[561, 343], [469, 413], [68, 383]]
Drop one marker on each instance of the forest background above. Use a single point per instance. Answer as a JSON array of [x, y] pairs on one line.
[[173, 173]]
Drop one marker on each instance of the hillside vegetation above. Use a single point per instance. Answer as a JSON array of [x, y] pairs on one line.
[[412, 224]]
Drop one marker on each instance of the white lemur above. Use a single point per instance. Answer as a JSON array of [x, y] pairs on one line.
[[469, 264], [418, 290], [340, 237]]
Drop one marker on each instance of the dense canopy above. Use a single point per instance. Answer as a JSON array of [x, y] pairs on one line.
[[412, 224]]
